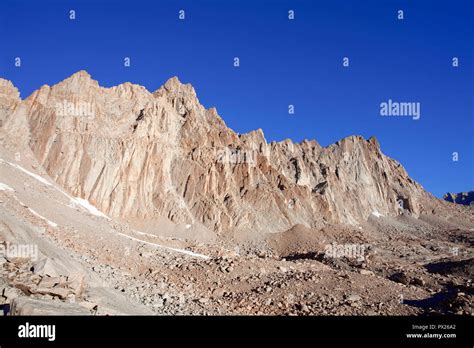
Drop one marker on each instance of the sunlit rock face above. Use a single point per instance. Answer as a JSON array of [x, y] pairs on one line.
[[137, 154]]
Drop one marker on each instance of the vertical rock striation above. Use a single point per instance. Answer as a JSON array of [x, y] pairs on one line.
[[136, 154]]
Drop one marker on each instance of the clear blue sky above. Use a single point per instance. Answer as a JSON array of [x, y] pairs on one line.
[[283, 62]]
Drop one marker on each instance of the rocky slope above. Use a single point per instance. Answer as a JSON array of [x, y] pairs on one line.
[[88, 264], [137, 154]]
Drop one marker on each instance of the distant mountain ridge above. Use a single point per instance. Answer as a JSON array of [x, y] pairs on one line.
[[464, 198]]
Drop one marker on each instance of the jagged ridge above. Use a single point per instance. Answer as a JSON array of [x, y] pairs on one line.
[[142, 154]]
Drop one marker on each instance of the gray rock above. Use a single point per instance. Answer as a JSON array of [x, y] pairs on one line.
[[28, 306], [3, 284], [418, 281], [159, 303], [11, 293], [49, 282], [366, 272], [50, 267], [304, 308], [59, 292], [219, 292], [353, 298], [400, 277]]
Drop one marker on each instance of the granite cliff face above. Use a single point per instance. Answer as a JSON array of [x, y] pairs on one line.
[[137, 154]]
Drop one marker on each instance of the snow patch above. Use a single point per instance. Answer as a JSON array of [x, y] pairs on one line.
[[33, 175], [376, 214], [74, 200], [187, 252], [183, 251], [144, 234], [5, 187], [50, 223], [89, 207]]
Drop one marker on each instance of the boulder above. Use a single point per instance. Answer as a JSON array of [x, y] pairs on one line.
[[400, 277], [49, 282], [3, 284], [50, 267], [76, 283], [28, 306], [62, 293], [11, 293]]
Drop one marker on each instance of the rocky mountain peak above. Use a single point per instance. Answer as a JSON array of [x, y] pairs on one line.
[[374, 141], [8, 91], [136, 154], [175, 87], [80, 82], [81, 76]]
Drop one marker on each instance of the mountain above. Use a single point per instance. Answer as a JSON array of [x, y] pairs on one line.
[[125, 201], [465, 198], [141, 155]]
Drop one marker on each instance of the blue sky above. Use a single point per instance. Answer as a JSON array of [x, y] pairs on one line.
[[282, 62]]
